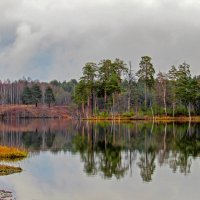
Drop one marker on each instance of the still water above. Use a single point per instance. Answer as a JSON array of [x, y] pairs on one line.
[[107, 160]]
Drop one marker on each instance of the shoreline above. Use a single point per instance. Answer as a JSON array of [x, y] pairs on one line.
[[146, 118]]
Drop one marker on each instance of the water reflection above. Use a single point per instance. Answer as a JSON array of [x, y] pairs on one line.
[[110, 149]]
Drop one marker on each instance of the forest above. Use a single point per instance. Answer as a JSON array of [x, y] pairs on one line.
[[28, 91], [114, 88]]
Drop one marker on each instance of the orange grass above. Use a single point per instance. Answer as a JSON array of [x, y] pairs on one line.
[[12, 152]]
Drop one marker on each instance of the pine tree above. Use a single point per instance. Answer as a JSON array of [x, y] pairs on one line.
[[187, 87], [172, 75], [49, 96], [27, 97], [146, 74], [110, 77], [89, 75], [80, 95], [162, 80], [37, 94]]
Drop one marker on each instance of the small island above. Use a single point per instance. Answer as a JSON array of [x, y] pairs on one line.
[[8, 154], [12, 153]]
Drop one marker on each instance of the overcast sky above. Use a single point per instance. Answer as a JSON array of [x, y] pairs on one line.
[[53, 39]]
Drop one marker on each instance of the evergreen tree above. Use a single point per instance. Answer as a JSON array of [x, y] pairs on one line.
[[36, 93], [89, 75], [104, 75], [27, 97], [69, 86], [172, 75], [80, 96], [146, 74], [110, 77], [187, 87], [162, 80], [49, 96]]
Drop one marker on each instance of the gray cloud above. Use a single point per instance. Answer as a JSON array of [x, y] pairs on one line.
[[48, 39]]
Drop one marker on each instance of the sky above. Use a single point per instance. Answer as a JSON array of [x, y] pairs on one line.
[[53, 39], [60, 176]]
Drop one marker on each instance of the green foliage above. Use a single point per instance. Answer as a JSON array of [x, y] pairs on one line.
[[80, 93], [146, 75], [146, 71], [110, 87], [69, 86], [104, 114], [27, 97], [55, 83], [110, 76], [128, 114], [49, 96], [181, 110], [36, 94], [187, 88]]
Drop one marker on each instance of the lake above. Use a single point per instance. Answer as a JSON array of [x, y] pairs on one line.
[[71, 160]]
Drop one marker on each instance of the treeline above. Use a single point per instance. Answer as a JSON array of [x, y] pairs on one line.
[[27, 91], [113, 87]]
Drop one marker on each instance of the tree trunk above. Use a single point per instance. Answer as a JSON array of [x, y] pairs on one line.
[[164, 99], [83, 109], [129, 87], [105, 100], [92, 103], [189, 111], [129, 101], [113, 106], [145, 97], [88, 107], [173, 109], [95, 105]]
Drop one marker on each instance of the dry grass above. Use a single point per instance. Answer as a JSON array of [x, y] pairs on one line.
[[30, 111], [6, 170], [12, 153]]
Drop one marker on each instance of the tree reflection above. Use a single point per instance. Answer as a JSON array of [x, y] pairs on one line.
[[112, 149], [187, 144], [147, 166], [147, 159], [101, 157], [110, 161]]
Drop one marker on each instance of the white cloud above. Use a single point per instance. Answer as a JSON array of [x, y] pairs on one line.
[[73, 32]]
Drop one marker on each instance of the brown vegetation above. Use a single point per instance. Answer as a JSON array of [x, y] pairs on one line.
[[30, 111]]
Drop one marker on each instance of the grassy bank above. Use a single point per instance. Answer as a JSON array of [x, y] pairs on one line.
[[12, 153], [146, 118], [7, 170]]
